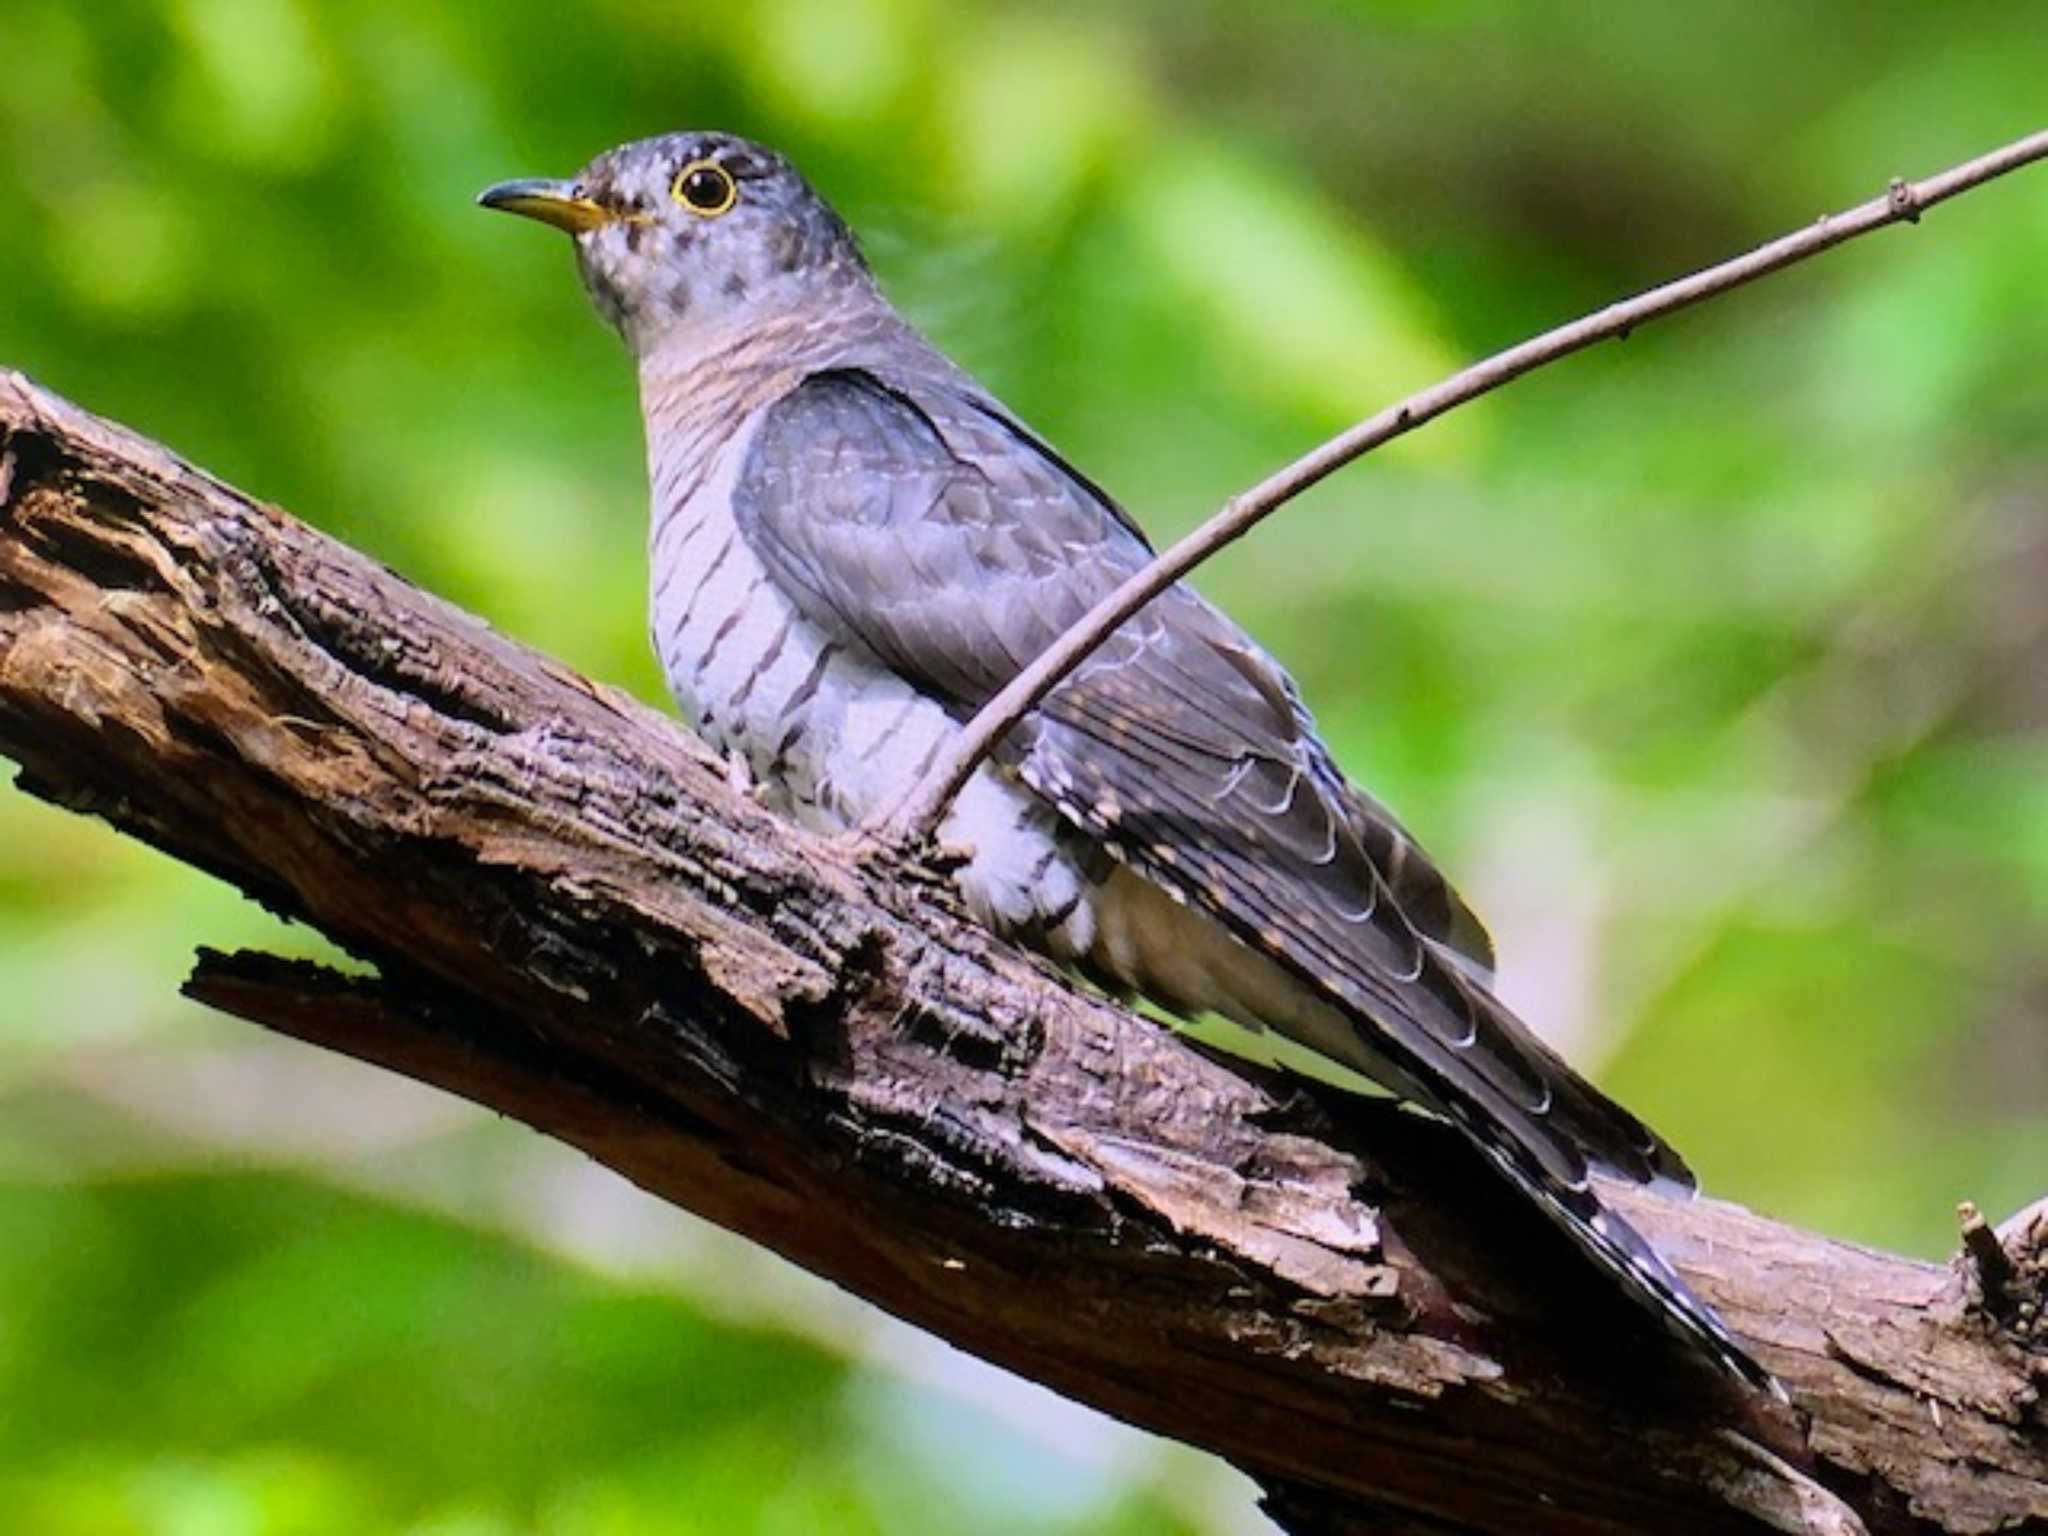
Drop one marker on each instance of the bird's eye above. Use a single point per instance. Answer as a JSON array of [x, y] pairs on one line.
[[705, 188]]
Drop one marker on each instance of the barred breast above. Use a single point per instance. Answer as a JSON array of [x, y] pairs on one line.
[[832, 736], [829, 734]]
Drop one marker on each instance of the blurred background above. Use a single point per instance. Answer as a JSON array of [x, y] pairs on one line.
[[1712, 664]]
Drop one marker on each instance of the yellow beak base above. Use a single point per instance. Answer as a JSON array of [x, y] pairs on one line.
[[551, 202]]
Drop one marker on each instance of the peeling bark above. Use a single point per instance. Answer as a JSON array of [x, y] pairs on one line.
[[571, 918]]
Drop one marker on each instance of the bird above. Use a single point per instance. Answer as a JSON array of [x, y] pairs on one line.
[[854, 544]]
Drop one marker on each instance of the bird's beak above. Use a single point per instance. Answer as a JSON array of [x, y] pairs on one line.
[[552, 202]]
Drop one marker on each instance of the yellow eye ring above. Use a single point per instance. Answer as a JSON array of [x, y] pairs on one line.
[[706, 188]]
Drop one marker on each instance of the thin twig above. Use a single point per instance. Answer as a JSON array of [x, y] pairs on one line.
[[1903, 202], [1987, 1256]]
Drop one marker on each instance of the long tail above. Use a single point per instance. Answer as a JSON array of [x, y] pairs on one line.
[[1606, 1238]]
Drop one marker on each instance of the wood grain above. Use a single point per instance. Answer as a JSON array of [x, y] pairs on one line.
[[568, 916]]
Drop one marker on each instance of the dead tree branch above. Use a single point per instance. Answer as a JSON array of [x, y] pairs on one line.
[[573, 920], [1902, 203]]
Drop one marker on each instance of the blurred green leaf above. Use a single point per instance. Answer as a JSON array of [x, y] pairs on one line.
[[1710, 660]]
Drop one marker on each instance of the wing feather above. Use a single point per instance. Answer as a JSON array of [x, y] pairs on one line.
[[914, 518]]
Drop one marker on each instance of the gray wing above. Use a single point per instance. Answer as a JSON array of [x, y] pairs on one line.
[[913, 517]]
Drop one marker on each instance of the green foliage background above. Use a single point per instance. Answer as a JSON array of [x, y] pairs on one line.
[[1713, 663]]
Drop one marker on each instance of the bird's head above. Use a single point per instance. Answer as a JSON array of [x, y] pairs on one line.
[[692, 234]]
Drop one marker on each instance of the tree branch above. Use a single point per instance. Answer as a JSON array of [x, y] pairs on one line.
[[920, 812], [573, 920]]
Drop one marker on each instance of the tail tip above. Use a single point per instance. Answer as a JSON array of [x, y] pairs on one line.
[[1745, 1368]]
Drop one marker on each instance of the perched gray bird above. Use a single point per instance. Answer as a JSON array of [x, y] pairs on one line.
[[854, 545]]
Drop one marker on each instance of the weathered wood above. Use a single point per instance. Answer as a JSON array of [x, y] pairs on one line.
[[573, 919]]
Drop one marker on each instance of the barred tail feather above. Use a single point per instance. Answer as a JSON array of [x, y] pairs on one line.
[[1621, 1251]]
